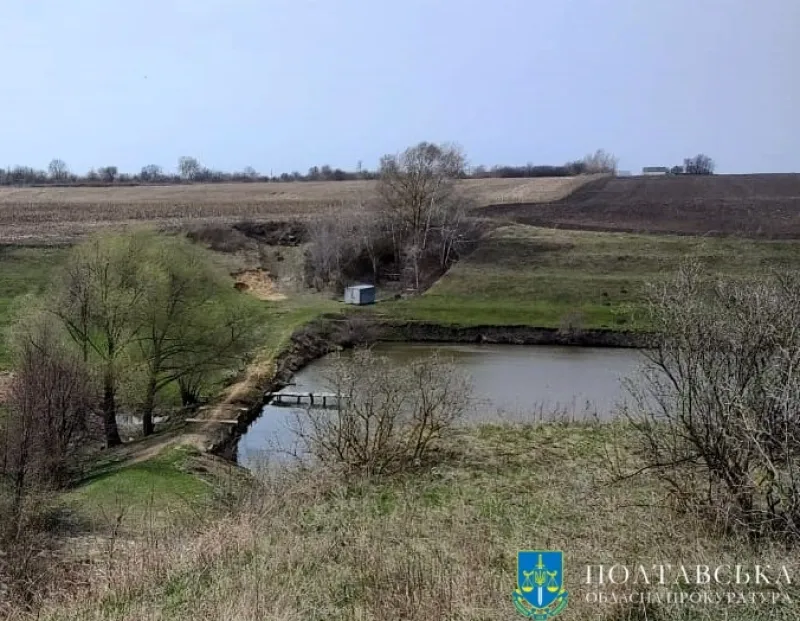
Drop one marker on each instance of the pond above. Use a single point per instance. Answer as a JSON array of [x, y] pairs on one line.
[[511, 383]]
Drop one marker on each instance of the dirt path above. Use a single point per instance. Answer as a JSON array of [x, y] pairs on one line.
[[202, 435]]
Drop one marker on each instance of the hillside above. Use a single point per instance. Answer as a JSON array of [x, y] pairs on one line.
[[59, 214], [525, 275], [764, 205]]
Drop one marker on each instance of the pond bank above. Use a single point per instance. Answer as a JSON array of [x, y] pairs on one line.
[[329, 333], [514, 335]]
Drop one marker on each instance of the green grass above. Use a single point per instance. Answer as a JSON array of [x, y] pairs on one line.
[[523, 275], [156, 490], [288, 315], [23, 270]]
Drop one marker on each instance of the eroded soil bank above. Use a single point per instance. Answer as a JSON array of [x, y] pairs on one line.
[[514, 335]]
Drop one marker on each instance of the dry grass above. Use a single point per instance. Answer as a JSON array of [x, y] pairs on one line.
[[440, 544], [61, 214], [537, 190], [258, 283], [5, 382]]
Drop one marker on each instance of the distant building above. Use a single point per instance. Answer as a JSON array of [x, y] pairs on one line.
[[360, 294], [624, 173], [655, 170]]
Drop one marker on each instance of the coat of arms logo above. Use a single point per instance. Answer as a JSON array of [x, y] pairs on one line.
[[540, 593]]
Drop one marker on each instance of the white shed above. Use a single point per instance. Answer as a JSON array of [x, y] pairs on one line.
[[360, 294]]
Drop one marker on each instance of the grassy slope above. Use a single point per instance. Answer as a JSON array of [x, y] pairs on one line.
[[441, 544], [29, 270], [164, 486], [500, 488], [22, 270], [519, 275], [534, 276], [161, 489]]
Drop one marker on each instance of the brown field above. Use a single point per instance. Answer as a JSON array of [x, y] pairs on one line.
[[766, 206], [58, 214]]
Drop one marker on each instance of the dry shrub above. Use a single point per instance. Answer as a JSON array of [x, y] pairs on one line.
[[388, 418], [333, 255], [29, 573], [416, 229], [367, 244], [278, 233], [219, 237], [721, 399], [42, 436], [49, 403]]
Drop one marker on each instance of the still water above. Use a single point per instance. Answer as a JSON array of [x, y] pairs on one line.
[[510, 383]]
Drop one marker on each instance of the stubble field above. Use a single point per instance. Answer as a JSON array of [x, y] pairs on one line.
[[53, 215]]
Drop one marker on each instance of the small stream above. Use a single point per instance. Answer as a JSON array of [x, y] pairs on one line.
[[511, 383]]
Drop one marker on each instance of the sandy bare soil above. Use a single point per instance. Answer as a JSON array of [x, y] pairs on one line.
[[59, 214], [258, 283], [765, 206]]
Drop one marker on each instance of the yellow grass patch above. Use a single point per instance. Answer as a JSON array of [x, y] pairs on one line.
[[259, 284]]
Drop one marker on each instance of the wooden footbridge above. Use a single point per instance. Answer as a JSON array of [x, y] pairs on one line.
[[312, 399]]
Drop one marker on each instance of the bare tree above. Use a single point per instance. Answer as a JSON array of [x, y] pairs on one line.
[[453, 230], [600, 162], [371, 228], [417, 189], [108, 173], [700, 164], [58, 170], [418, 226], [189, 168], [49, 400], [413, 183], [333, 249], [388, 418], [720, 396], [151, 172]]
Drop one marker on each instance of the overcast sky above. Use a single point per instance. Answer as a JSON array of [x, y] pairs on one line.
[[286, 84]]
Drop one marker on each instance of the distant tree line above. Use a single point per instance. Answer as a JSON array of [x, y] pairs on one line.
[[700, 164], [190, 170], [598, 162]]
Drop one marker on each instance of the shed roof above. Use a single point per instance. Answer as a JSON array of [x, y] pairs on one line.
[[361, 287]]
